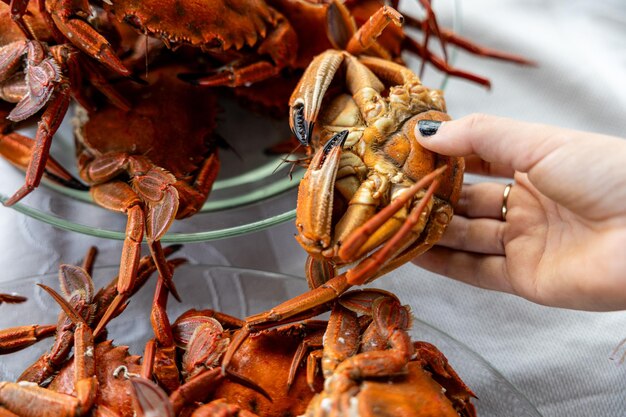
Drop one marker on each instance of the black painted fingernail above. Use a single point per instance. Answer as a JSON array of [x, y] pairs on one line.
[[428, 127]]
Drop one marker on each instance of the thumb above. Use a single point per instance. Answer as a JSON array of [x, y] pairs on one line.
[[557, 160], [514, 144]]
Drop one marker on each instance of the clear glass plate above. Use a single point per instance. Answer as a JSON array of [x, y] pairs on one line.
[[253, 191], [239, 292]]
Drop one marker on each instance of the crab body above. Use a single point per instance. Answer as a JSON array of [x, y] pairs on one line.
[[359, 200], [154, 162]]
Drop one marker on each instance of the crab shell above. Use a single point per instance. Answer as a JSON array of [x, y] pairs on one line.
[[206, 23], [415, 394], [114, 366], [10, 32], [170, 122], [265, 359]]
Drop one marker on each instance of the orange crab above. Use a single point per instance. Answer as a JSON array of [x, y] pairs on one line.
[[369, 363], [95, 380], [155, 162], [380, 371], [39, 74], [363, 198], [185, 358], [261, 37], [66, 21], [77, 287]]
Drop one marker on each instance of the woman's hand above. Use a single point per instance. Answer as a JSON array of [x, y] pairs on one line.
[[563, 242]]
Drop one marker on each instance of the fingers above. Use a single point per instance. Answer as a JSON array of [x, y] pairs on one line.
[[484, 271], [577, 170], [481, 200], [476, 165], [512, 144], [475, 235]]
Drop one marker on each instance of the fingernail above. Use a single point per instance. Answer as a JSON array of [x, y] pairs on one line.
[[428, 127]]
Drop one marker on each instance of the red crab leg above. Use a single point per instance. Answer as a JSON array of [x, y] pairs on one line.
[[119, 196], [11, 298], [77, 66], [369, 268], [48, 125], [367, 34], [164, 359], [18, 150], [237, 77], [439, 63], [90, 258], [196, 389], [462, 42], [85, 37], [16, 338], [429, 25], [18, 10], [311, 341], [32, 400], [353, 243]]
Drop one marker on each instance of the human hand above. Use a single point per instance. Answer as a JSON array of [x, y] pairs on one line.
[[563, 242]]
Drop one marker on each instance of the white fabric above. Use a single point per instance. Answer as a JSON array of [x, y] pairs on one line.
[[558, 358]]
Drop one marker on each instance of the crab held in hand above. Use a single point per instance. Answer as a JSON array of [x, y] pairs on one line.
[[371, 193], [155, 163]]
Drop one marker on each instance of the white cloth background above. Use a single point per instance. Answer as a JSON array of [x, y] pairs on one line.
[[558, 358]]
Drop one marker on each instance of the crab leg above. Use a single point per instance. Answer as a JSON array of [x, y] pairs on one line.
[[85, 37], [195, 389], [351, 245], [450, 37], [50, 121], [18, 149], [32, 400], [17, 338], [439, 63], [77, 65], [372, 266], [163, 359], [11, 298], [119, 196], [367, 34]]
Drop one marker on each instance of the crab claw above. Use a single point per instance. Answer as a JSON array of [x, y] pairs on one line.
[[301, 128], [85, 38], [315, 196], [306, 99]]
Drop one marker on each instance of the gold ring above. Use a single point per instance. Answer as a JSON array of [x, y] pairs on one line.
[[505, 199]]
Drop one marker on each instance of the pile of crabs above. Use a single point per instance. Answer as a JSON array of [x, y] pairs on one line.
[[144, 78]]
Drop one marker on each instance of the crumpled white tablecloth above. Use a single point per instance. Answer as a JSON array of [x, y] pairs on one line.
[[558, 358]]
